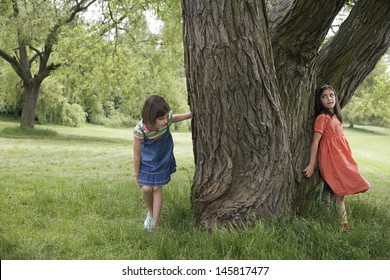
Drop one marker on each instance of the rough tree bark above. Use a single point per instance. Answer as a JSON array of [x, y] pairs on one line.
[[239, 125], [30, 98], [251, 70]]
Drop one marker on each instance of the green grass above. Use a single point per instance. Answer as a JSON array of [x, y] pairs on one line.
[[69, 193], [371, 149]]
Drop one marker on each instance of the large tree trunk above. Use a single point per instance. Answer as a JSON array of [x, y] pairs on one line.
[[242, 153], [251, 72], [30, 97]]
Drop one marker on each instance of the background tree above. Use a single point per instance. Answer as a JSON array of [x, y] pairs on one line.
[[35, 28], [370, 103], [109, 60], [251, 68]]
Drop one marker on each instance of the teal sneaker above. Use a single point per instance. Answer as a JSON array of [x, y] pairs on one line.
[[148, 223]]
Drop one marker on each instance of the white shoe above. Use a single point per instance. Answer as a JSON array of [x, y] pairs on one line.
[[148, 223]]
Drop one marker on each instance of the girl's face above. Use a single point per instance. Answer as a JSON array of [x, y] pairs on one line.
[[328, 99], [161, 122]]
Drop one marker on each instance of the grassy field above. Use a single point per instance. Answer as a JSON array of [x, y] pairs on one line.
[[68, 193]]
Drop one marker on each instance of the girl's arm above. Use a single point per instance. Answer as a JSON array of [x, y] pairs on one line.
[[181, 117], [136, 157], [313, 155]]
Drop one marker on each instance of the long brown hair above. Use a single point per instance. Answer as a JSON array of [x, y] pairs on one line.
[[319, 108]]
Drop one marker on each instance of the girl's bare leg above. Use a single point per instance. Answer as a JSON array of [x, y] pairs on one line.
[[147, 193], [157, 205], [341, 203]]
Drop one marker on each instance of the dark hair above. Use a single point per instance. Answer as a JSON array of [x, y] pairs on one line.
[[318, 108], [154, 107]]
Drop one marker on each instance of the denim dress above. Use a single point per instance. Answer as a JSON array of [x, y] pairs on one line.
[[157, 160]]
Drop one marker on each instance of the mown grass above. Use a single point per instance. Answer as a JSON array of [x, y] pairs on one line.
[[69, 193]]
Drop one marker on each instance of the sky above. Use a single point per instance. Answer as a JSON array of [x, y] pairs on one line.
[[154, 24]]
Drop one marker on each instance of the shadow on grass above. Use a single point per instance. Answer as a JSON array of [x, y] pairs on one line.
[[17, 132], [48, 134]]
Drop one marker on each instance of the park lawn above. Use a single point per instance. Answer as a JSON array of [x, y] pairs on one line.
[[371, 149], [69, 193]]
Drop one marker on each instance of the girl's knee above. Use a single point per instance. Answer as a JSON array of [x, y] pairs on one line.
[[157, 189], [147, 190]]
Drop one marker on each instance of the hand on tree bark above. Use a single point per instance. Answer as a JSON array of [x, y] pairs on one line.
[[309, 170]]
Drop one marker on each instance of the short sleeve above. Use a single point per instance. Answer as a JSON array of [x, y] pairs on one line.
[[320, 124], [137, 132], [170, 118]]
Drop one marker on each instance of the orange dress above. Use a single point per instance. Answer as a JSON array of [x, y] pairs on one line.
[[335, 161]]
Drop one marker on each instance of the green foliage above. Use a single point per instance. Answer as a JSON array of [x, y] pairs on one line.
[[33, 21], [10, 90], [107, 69], [370, 104], [54, 108], [81, 202], [73, 115], [29, 27], [110, 77]]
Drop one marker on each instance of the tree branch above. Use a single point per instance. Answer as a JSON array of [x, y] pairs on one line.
[[12, 61], [52, 36], [47, 71], [299, 27], [7, 57], [38, 54], [362, 39], [79, 8]]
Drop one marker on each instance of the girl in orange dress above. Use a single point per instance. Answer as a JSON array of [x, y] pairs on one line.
[[337, 167]]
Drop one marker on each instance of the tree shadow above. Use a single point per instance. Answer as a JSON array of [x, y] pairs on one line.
[[367, 131], [49, 134]]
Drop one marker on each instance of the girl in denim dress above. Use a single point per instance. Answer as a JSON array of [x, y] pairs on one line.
[[154, 161]]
